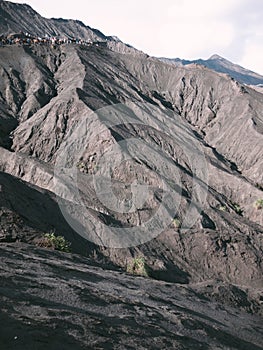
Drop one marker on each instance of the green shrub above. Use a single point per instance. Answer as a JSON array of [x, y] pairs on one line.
[[238, 209], [176, 223], [223, 208], [82, 167], [258, 204], [137, 267], [51, 241]]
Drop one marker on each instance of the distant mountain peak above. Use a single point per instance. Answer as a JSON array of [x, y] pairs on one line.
[[222, 65], [216, 57]]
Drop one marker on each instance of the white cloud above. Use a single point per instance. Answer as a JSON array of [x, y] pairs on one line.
[[253, 49], [203, 8], [199, 39]]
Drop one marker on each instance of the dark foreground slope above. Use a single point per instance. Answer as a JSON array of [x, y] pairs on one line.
[[27, 212], [50, 300]]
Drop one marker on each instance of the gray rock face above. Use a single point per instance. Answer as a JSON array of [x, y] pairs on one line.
[[76, 304]]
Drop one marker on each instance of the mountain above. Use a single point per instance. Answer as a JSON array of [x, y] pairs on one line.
[[130, 159], [221, 65]]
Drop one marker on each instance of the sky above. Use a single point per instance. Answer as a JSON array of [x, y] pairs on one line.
[[188, 29]]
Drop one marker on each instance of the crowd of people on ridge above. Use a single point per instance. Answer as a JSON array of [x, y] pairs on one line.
[[28, 39]]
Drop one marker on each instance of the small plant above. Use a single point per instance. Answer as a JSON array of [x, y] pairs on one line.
[[82, 167], [223, 208], [176, 223], [258, 204], [238, 209], [137, 267], [54, 242]]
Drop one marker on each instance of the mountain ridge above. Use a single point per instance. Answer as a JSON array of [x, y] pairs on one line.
[[15, 18], [222, 65]]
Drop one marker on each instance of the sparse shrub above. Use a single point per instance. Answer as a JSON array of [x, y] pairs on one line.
[[82, 167], [51, 241], [258, 204], [238, 209], [176, 223], [137, 267], [223, 208]]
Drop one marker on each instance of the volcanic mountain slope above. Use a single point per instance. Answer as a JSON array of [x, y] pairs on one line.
[[221, 65], [77, 80], [183, 142]]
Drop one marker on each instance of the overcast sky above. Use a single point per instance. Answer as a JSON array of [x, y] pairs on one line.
[[187, 29]]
